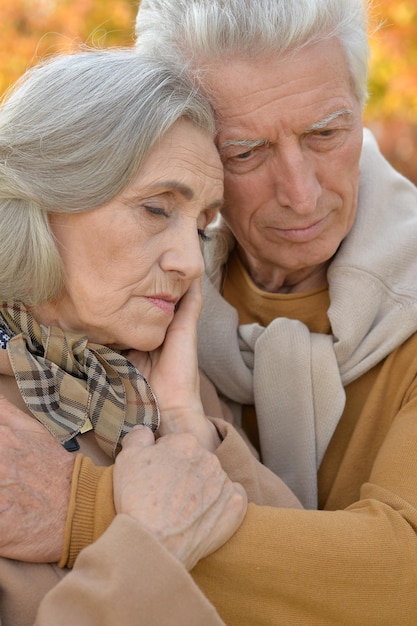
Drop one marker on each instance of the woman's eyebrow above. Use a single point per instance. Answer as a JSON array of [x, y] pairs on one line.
[[184, 190]]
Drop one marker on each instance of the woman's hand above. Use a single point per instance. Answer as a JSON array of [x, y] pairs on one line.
[[172, 372], [178, 492]]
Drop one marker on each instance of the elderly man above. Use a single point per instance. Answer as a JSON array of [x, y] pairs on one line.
[[308, 329], [310, 315]]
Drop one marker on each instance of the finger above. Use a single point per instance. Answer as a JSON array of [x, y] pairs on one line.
[[195, 295], [192, 302], [139, 437], [195, 289]]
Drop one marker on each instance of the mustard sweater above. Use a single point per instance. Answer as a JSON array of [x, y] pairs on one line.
[[354, 561]]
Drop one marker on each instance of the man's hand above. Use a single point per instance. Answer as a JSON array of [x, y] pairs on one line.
[[35, 485], [177, 491]]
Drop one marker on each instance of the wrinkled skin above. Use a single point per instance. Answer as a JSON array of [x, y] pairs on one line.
[[186, 501], [35, 485]]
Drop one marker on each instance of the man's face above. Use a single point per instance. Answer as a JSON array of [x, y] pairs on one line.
[[290, 136]]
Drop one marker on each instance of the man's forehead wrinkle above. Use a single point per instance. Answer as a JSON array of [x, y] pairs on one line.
[[250, 101]]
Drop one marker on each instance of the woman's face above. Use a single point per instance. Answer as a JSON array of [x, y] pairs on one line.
[[128, 262]]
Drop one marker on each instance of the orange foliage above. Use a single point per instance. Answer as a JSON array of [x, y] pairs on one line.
[[32, 29], [393, 76], [392, 108]]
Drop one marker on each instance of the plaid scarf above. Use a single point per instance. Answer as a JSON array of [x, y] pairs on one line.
[[65, 380]]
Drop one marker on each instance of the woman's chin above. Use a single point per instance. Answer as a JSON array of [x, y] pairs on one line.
[[141, 344]]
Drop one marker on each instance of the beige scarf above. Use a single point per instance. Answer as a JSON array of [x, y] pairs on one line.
[[296, 378], [65, 380]]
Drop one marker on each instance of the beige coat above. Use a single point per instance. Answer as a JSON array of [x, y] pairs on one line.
[[125, 577]]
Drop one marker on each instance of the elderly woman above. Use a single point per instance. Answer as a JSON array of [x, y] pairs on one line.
[[108, 179]]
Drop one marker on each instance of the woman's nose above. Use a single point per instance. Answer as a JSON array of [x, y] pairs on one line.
[[184, 254]]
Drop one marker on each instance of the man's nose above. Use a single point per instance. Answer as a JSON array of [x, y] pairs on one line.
[[296, 183]]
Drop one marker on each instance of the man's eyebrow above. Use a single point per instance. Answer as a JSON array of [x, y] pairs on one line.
[[249, 144], [328, 119]]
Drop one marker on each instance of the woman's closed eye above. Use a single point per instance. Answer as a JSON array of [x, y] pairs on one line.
[[159, 211], [155, 210]]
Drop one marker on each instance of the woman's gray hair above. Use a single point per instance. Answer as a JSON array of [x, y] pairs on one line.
[[74, 132], [200, 31]]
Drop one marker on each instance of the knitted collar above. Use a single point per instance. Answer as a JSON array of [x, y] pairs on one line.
[[65, 380]]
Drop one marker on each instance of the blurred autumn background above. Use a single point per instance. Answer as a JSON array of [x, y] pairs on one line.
[[31, 29]]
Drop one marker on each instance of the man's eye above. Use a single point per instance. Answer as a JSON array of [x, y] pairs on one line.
[[326, 133], [244, 155]]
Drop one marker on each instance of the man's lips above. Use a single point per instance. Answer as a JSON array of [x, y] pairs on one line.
[[302, 234]]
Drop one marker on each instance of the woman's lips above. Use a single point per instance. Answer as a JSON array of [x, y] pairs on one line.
[[164, 304]]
